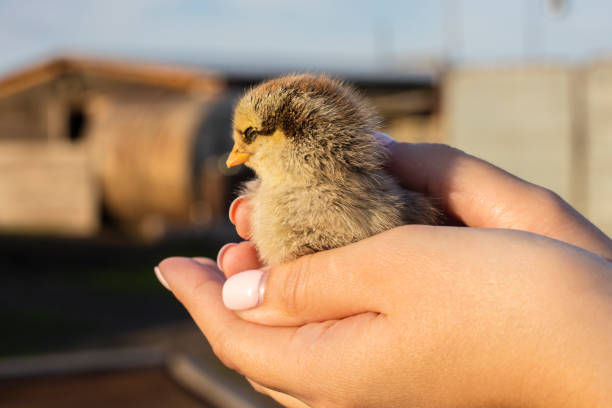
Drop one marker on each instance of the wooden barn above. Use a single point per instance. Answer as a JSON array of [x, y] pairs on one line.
[[86, 142], [82, 138]]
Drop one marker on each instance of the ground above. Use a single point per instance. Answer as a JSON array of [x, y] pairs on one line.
[[65, 295]]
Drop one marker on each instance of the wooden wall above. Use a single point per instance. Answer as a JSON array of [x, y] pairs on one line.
[[47, 189], [132, 153]]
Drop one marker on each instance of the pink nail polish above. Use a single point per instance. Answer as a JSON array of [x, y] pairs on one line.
[[244, 290], [231, 214], [161, 278], [222, 253]]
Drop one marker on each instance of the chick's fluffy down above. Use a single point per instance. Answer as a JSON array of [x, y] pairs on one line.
[[321, 181]]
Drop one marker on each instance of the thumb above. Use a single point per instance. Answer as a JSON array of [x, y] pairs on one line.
[[322, 286]]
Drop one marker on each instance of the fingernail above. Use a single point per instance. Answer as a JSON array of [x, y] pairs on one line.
[[232, 216], [244, 290], [161, 278], [384, 138], [222, 252]]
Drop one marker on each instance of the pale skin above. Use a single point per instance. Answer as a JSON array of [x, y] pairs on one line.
[[513, 311]]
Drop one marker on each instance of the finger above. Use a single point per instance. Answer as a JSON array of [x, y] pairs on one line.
[[256, 351], [238, 258], [482, 195], [205, 261], [323, 286], [240, 212], [474, 191], [210, 263], [285, 400]]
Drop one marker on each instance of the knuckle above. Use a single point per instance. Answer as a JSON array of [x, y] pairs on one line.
[[551, 201], [551, 197], [294, 288]]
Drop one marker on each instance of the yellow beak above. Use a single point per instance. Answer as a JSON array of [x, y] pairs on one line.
[[236, 158]]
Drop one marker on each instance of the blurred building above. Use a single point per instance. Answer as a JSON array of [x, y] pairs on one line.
[[84, 141], [551, 125], [83, 137]]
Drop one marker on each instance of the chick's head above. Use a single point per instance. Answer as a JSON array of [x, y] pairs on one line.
[[299, 126]]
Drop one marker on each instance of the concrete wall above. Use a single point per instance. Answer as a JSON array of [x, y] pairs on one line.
[[599, 145], [517, 119], [549, 125]]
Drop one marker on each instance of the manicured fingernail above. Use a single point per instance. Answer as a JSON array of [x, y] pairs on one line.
[[384, 138], [244, 290], [161, 278], [232, 215], [222, 252]]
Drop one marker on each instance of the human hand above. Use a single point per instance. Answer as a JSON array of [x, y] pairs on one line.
[[417, 316], [469, 189], [482, 195], [456, 310]]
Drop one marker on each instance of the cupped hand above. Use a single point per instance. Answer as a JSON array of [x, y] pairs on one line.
[[416, 316], [419, 315], [471, 190]]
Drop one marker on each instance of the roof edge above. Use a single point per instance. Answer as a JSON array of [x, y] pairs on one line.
[[193, 81]]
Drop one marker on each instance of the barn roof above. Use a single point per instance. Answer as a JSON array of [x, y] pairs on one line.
[[193, 81]]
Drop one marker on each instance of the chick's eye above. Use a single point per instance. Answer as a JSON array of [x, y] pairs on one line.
[[250, 134]]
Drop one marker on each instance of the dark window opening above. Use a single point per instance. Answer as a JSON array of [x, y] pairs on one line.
[[76, 124]]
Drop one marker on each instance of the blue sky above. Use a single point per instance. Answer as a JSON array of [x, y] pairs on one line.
[[343, 34]]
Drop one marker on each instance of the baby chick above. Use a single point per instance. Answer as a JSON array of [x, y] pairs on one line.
[[320, 180]]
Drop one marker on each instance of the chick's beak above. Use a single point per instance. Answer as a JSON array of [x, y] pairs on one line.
[[235, 158]]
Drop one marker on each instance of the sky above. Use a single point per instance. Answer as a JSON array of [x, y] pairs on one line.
[[338, 35]]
